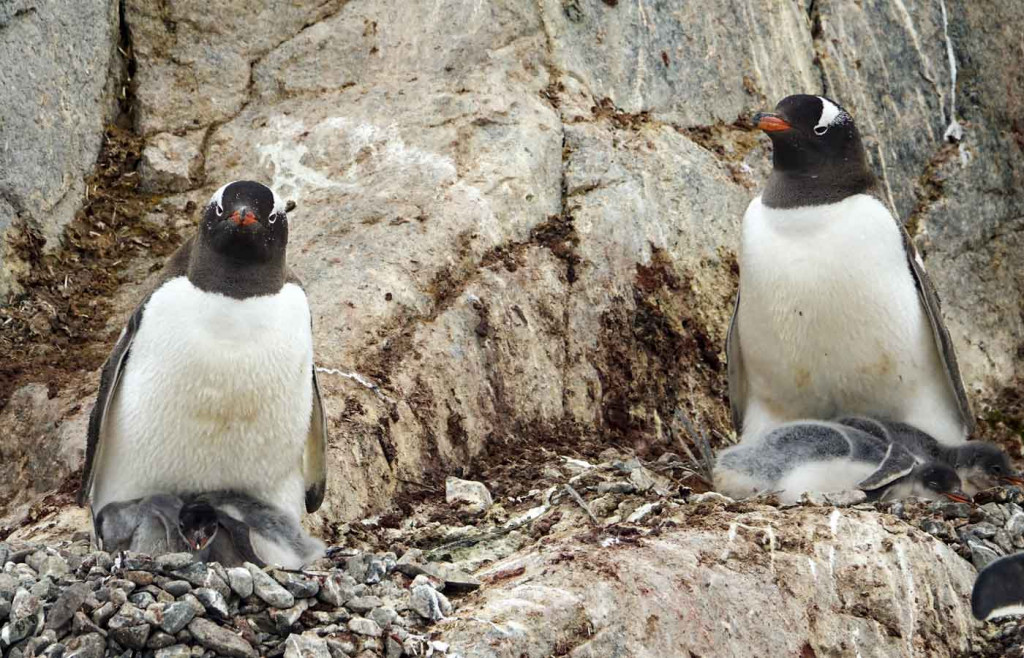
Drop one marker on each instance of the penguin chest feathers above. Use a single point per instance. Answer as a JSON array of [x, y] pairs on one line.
[[829, 312], [216, 394]]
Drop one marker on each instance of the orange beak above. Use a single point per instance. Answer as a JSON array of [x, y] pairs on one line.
[[958, 497], [770, 123], [241, 219], [1014, 479]]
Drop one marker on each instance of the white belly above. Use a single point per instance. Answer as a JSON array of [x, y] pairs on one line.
[[831, 322], [216, 394]]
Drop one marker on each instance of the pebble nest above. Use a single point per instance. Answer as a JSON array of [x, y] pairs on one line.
[[70, 600]]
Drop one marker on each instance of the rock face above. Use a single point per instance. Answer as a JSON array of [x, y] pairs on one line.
[[767, 582], [59, 86], [517, 231]]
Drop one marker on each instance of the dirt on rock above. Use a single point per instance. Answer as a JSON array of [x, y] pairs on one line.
[[56, 328]]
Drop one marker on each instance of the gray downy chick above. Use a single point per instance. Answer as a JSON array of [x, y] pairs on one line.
[[980, 465]]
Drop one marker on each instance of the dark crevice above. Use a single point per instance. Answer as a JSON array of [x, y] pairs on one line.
[[818, 42]]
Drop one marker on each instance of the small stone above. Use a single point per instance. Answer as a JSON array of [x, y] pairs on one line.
[[198, 608], [285, 620], [981, 554], [174, 617], [102, 614], [127, 615], [267, 589], [218, 639], [174, 561], [25, 605], [176, 651], [81, 624], [426, 602], [159, 640], [363, 604], [641, 479], [8, 586], [615, 488], [141, 578], [455, 579], [337, 589], [301, 586], [91, 645], [5, 610], [375, 572], [45, 590], [68, 603], [55, 650], [200, 575], [469, 492], [240, 580], [213, 601], [142, 599], [364, 626], [17, 629], [393, 648], [133, 637], [48, 564], [177, 587], [342, 648], [306, 646], [383, 616]]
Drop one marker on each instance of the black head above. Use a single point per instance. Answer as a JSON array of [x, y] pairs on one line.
[[246, 221], [197, 524], [817, 153], [983, 465], [941, 480]]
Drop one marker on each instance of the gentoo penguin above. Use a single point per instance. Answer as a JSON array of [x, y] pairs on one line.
[[999, 589], [145, 525], [232, 528], [824, 457], [211, 384], [980, 465], [835, 313]]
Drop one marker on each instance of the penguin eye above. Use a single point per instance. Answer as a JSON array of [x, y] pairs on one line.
[[820, 130], [272, 219], [220, 210]]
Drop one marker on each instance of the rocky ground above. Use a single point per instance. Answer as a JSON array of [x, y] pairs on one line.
[[404, 584]]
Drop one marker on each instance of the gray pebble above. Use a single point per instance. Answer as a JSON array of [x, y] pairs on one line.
[[393, 648], [91, 645], [126, 586], [48, 564], [5, 610], [201, 576], [176, 651], [45, 590], [364, 626], [177, 587], [67, 605], [363, 604], [8, 586], [80, 625], [426, 602], [240, 580], [159, 640], [220, 640], [213, 601], [16, 630], [341, 648], [300, 585], [174, 561], [173, 617], [384, 616], [133, 637], [285, 620], [981, 554], [25, 605], [268, 589], [142, 599], [337, 589], [101, 615], [306, 646]]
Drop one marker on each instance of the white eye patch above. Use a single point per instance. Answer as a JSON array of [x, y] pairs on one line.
[[218, 198], [830, 113]]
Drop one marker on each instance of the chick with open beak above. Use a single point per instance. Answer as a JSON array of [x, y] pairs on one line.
[[198, 525]]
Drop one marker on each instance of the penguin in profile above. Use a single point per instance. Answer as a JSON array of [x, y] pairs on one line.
[[835, 312], [211, 384], [999, 589], [825, 457], [980, 465], [232, 528]]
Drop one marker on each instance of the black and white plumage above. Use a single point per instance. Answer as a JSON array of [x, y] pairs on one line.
[[979, 465], [836, 314], [211, 385], [825, 457], [999, 589]]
